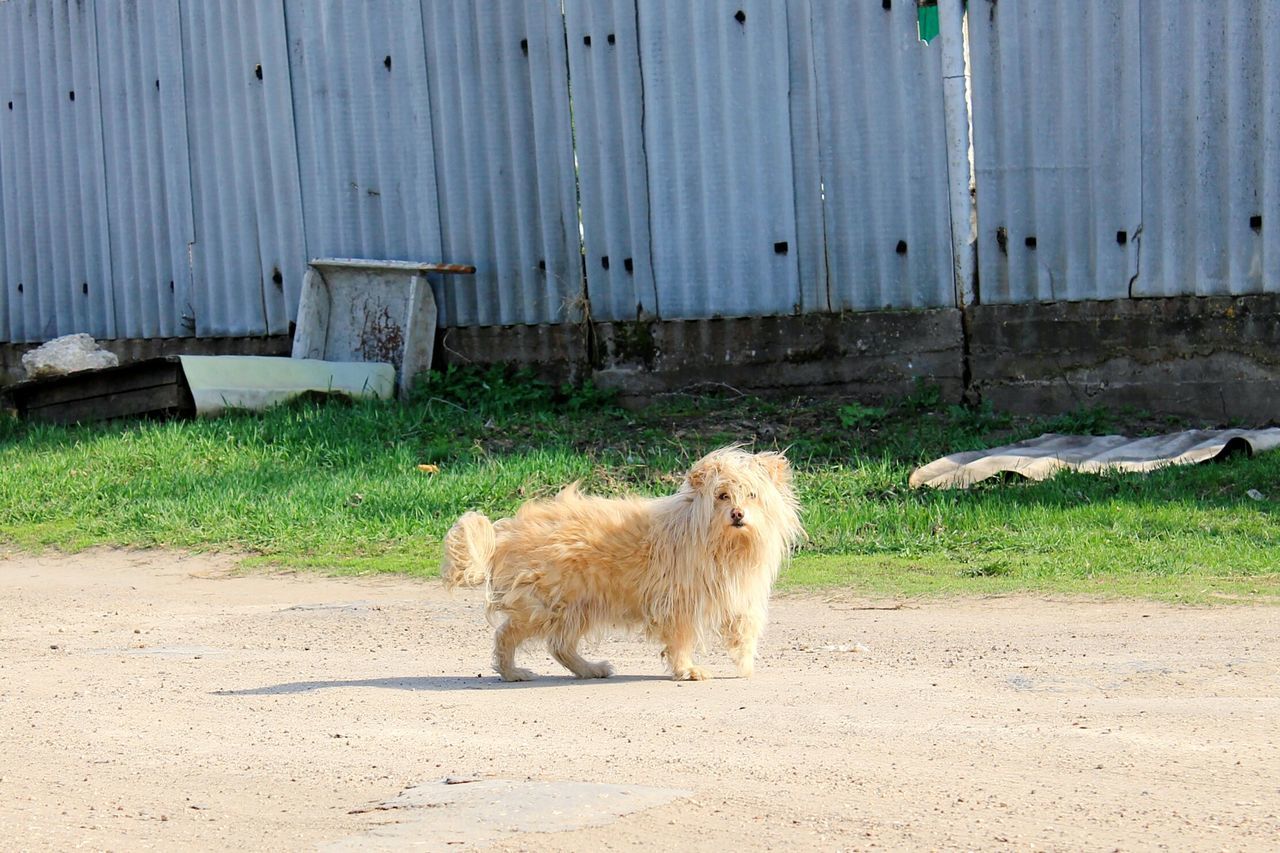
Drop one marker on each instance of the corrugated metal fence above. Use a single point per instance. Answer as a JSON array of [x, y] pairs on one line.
[[167, 167], [1126, 148]]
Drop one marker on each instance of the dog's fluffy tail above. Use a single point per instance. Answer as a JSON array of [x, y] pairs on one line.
[[468, 551]]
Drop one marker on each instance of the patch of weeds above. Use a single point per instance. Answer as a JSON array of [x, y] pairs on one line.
[[10, 426], [978, 419], [1087, 420], [587, 397], [857, 416], [994, 569], [496, 389], [924, 397], [441, 449], [503, 390]]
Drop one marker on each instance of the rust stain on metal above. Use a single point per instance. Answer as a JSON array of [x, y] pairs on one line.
[[381, 338]]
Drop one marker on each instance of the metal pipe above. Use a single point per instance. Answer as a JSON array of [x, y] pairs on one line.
[[956, 117]]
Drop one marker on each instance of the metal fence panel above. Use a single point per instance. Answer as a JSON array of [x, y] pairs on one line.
[[504, 161], [1211, 144], [718, 143], [608, 119], [166, 167], [1056, 142], [249, 253], [363, 119], [882, 147], [806, 159], [148, 175], [58, 274], [7, 327]]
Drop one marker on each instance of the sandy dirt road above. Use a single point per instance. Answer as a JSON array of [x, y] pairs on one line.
[[152, 701]]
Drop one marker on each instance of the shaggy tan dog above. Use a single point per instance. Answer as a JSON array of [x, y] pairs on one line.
[[680, 568]]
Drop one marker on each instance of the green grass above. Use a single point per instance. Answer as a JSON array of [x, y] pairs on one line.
[[337, 487]]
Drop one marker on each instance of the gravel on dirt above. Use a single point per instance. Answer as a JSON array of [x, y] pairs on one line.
[[164, 701]]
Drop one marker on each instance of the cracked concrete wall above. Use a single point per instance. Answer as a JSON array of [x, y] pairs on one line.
[[876, 355], [556, 353], [1215, 358]]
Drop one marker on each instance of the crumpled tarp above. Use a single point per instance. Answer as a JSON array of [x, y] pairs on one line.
[[1041, 458], [220, 382]]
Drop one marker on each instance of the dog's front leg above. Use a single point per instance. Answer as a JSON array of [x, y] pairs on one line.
[[679, 641], [740, 635]]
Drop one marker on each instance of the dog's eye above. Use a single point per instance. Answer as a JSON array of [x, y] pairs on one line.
[[723, 496], [751, 496]]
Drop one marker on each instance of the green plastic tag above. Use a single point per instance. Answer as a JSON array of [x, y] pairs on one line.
[[927, 22]]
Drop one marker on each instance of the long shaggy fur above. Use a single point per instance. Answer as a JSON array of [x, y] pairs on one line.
[[680, 568], [468, 551]]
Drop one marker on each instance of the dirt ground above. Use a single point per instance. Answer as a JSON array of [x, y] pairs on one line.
[[155, 701]]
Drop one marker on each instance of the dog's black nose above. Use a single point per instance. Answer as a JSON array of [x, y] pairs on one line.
[[735, 515]]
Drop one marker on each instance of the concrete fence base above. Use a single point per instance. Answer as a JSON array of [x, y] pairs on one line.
[[1216, 359]]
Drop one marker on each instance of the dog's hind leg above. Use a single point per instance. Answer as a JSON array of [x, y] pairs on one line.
[[740, 634], [562, 642], [506, 640]]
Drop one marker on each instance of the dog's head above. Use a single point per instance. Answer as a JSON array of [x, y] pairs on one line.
[[745, 494]]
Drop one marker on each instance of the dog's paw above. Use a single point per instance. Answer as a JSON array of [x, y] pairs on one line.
[[517, 674], [598, 669], [693, 673], [746, 668]]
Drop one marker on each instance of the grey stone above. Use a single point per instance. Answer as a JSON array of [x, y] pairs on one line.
[[444, 815]]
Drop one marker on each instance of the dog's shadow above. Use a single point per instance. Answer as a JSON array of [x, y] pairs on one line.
[[434, 683]]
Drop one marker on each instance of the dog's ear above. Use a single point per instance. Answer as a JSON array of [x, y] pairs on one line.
[[776, 466], [700, 474]]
